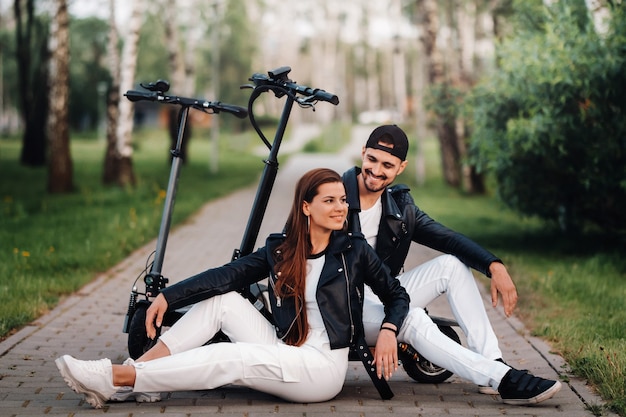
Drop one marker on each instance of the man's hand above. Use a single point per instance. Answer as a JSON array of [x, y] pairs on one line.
[[502, 283], [386, 354], [154, 314]]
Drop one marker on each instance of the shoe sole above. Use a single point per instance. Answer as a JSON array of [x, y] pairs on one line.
[[546, 395], [93, 398], [487, 390], [138, 397]]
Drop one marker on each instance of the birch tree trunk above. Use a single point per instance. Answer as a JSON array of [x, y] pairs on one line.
[[124, 148], [178, 80], [111, 161], [60, 171]]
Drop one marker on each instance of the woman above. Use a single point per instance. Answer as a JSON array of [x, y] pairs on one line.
[[316, 273]]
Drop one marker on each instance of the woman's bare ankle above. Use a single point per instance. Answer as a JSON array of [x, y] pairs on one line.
[[124, 375]]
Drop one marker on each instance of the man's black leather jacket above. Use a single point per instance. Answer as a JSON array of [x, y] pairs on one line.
[[402, 222], [350, 263]]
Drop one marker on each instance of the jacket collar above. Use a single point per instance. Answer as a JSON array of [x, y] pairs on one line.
[[352, 188], [339, 241]]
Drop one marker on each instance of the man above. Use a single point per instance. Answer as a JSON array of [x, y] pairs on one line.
[[390, 221]]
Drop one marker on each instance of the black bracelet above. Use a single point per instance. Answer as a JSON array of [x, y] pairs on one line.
[[383, 327]]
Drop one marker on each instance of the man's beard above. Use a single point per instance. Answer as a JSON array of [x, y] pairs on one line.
[[371, 189]]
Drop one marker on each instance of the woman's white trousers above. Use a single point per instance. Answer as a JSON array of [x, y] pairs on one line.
[[257, 358]]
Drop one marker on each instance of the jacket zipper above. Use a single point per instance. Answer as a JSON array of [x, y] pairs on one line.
[[345, 274], [278, 300]]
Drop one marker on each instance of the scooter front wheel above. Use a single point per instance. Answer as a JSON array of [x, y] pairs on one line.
[[138, 340]]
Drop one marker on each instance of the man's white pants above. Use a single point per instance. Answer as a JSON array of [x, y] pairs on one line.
[[257, 358], [444, 274]]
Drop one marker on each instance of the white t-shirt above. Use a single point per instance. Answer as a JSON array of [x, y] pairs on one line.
[[370, 220], [313, 272]]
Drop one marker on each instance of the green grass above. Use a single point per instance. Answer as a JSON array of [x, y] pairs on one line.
[[51, 245], [572, 288]]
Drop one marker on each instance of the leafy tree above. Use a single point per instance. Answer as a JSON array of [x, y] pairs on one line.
[[551, 123]]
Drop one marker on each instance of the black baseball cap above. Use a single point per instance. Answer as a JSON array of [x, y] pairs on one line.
[[392, 135]]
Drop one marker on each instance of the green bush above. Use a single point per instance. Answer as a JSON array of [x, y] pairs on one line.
[[551, 123]]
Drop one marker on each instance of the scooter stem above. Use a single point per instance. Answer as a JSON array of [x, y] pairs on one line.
[[265, 187], [170, 197]]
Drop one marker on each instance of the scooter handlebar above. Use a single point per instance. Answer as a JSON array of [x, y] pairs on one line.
[[278, 78], [314, 94], [216, 106]]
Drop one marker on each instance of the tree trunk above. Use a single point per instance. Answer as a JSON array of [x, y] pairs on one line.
[[464, 77], [111, 161], [177, 74], [124, 148], [418, 69], [32, 81], [60, 173], [446, 129], [450, 155]]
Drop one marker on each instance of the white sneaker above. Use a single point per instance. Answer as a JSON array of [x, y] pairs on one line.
[[94, 379], [127, 393]]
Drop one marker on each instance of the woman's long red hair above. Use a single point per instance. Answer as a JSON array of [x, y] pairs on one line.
[[294, 251]]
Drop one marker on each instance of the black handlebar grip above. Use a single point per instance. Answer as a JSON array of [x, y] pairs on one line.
[[325, 96], [134, 95], [237, 111]]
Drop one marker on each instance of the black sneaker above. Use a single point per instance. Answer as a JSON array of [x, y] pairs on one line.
[[522, 388]]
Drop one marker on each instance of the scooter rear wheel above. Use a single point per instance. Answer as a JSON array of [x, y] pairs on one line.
[[424, 371]]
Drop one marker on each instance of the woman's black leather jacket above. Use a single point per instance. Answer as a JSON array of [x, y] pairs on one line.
[[350, 263]]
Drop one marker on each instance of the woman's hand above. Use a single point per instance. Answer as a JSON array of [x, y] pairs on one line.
[[386, 354], [154, 315]]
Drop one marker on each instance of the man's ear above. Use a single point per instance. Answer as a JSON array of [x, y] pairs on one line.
[[402, 167]]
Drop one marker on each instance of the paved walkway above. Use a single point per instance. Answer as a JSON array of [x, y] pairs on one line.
[[88, 325]]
